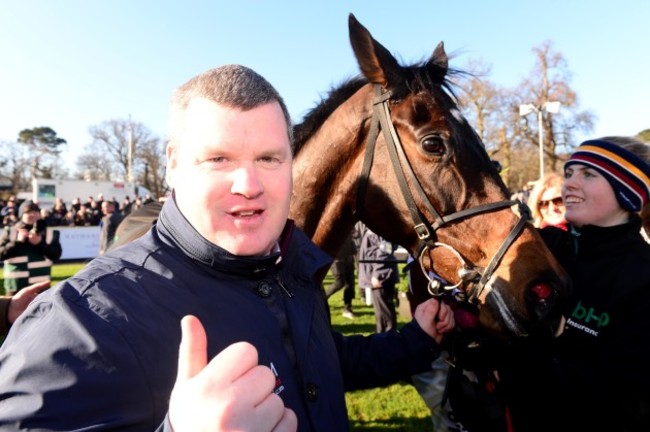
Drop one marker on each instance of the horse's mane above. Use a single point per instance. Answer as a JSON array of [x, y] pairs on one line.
[[317, 115], [423, 76]]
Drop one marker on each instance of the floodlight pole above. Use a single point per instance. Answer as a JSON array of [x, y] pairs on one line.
[[551, 107], [129, 154], [541, 143]]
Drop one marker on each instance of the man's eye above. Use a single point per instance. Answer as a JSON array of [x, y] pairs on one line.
[[219, 160], [269, 161]]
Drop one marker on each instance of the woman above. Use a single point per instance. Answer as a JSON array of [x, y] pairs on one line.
[[546, 204], [595, 375]]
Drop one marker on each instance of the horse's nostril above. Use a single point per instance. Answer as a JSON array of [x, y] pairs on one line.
[[542, 291]]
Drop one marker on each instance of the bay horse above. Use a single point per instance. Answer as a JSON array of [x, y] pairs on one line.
[[390, 148]]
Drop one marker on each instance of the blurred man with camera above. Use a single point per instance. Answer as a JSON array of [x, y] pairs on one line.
[[27, 251]]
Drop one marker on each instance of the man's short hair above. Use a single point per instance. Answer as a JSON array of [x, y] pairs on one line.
[[231, 85]]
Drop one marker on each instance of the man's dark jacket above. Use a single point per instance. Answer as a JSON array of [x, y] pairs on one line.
[[100, 350]]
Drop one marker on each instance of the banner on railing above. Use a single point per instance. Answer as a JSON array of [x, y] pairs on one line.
[[78, 242]]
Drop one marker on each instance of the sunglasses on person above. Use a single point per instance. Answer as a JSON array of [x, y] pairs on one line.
[[557, 201]]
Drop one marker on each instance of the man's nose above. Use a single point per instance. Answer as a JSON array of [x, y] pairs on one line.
[[246, 181]]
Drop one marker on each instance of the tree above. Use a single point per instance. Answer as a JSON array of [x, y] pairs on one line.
[[550, 81], [480, 100], [514, 140], [107, 156], [487, 108], [644, 135], [14, 166], [152, 156], [44, 148]]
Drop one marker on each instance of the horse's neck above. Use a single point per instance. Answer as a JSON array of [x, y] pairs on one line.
[[325, 173]]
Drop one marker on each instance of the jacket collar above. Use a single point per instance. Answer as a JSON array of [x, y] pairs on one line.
[[592, 238], [176, 229]]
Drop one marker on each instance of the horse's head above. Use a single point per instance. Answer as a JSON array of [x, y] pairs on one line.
[[424, 180]]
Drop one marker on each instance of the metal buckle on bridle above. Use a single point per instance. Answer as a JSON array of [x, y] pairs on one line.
[[422, 231], [466, 273]]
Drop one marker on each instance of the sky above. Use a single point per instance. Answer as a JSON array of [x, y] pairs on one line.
[[73, 64]]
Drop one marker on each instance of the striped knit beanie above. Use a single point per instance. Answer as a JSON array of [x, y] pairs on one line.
[[628, 174]]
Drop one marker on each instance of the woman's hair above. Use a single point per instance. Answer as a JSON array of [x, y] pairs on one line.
[[550, 180]]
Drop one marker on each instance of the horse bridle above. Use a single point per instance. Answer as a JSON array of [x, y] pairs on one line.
[[468, 273]]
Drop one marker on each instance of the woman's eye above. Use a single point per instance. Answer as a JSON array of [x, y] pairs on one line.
[[433, 144]]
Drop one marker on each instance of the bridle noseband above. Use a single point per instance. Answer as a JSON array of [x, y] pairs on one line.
[[468, 273]]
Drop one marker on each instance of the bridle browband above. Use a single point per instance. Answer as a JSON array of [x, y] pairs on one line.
[[468, 273]]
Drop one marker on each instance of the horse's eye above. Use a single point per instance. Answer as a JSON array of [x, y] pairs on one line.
[[433, 144]]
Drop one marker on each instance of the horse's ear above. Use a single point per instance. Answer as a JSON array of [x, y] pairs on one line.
[[439, 59], [439, 62], [376, 62]]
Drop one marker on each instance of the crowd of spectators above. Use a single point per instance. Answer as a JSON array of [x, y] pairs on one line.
[[75, 213]]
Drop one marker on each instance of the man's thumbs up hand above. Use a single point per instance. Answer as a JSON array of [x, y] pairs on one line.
[[231, 392]]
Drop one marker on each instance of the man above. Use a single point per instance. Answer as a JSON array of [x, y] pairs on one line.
[[109, 223], [101, 350], [378, 272], [26, 250], [343, 271]]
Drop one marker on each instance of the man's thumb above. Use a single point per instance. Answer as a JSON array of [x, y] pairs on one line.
[[193, 351]]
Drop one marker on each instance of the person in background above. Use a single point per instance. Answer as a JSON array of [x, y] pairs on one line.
[[214, 319], [26, 251], [9, 212], [94, 212], [545, 202], [108, 225], [12, 307], [82, 216], [137, 203], [46, 217], [59, 210], [378, 272], [99, 200], [343, 272], [69, 219], [594, 376], [127, 206], [76, 205], [10, 219]]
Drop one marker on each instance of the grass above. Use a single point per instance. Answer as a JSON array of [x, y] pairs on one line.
[[394, 408]]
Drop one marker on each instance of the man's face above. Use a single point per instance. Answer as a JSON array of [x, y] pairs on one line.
[[231, 173], [30, 217]]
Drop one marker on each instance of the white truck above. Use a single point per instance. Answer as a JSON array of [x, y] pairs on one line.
[[44, 191]]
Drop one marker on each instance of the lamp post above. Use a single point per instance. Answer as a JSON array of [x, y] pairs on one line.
[[129, 154], [551, 107]]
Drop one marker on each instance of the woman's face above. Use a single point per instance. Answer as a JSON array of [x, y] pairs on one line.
[[589, 198], [551, 206]]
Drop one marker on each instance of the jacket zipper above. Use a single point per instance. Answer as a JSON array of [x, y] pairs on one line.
[[284, 288]]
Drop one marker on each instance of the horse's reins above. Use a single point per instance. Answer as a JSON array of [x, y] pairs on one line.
[[468, 272]]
